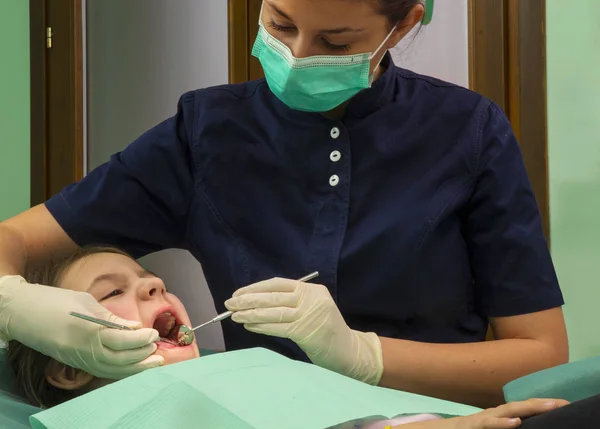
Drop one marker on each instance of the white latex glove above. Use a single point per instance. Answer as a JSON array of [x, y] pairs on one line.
[[38, 317], [306, 314]]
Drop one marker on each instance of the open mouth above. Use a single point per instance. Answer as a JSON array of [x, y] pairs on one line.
[[169, 326], [166, 325]]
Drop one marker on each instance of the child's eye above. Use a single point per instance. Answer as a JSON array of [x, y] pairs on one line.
[[114, 293]]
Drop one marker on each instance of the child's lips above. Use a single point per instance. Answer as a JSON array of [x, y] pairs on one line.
[[169, 346], [163, 345]]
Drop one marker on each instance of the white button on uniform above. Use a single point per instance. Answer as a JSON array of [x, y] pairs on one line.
[[335, 132], [334, 180], [335, 156]]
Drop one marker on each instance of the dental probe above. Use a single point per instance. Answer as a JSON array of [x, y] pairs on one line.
[[112, 325]]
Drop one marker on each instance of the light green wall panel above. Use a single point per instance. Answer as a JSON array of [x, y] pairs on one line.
[[14, 107], [573, 50]]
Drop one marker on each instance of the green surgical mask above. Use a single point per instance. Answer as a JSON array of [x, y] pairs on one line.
[[312, 84]]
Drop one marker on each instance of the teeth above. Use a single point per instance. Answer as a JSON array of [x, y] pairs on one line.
[[164, 323]]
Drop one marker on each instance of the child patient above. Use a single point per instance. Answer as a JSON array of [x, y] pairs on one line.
[[129, 291], [121, 285]]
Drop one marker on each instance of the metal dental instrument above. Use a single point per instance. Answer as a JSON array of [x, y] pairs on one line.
[[113, 325], [227, 314]]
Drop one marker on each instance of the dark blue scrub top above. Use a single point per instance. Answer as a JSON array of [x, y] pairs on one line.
[[415, 208]]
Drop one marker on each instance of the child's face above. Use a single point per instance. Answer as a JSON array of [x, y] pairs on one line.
[[122, 286]]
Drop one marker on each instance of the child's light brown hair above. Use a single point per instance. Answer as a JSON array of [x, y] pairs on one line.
[[30, 365]]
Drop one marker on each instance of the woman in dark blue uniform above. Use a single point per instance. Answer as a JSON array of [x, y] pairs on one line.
[[406, 193]]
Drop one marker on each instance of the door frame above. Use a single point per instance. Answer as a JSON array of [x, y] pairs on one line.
[[507, 56], [238, 41], [38, 166], [243, 28], [56, 99]]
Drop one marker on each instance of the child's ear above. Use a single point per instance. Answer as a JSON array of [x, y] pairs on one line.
[[64, 377]]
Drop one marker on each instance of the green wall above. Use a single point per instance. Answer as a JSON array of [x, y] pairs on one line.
[[573, 49], [14, 107]]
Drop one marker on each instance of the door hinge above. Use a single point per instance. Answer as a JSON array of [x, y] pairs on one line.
[[48, 37]]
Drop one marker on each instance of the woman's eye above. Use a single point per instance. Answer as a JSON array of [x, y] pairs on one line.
[[114, 293], [333, 47], [280, 28], [330, 46]]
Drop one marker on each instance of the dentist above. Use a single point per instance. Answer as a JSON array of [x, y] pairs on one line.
[[408, 195]]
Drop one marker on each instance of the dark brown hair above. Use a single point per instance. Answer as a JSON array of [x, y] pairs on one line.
[[30, 365], [396, 10]]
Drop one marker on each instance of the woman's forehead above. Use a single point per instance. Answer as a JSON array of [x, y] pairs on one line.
[[326, 14]]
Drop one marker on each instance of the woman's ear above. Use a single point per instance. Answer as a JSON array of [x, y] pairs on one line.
[[64, 377], [414, 17]]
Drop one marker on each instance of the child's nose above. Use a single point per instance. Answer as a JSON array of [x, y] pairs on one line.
[[151, 288]]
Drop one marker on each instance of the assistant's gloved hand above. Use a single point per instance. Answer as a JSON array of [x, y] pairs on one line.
[[38, 317], [306, 314]]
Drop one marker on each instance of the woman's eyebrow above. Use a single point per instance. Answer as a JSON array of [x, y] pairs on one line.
[[342, 30], [339, 30], [279, 11]]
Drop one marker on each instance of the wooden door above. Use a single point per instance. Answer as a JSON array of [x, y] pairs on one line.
[[243, 28], [508, 65], [56, 96], [57, 85]]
